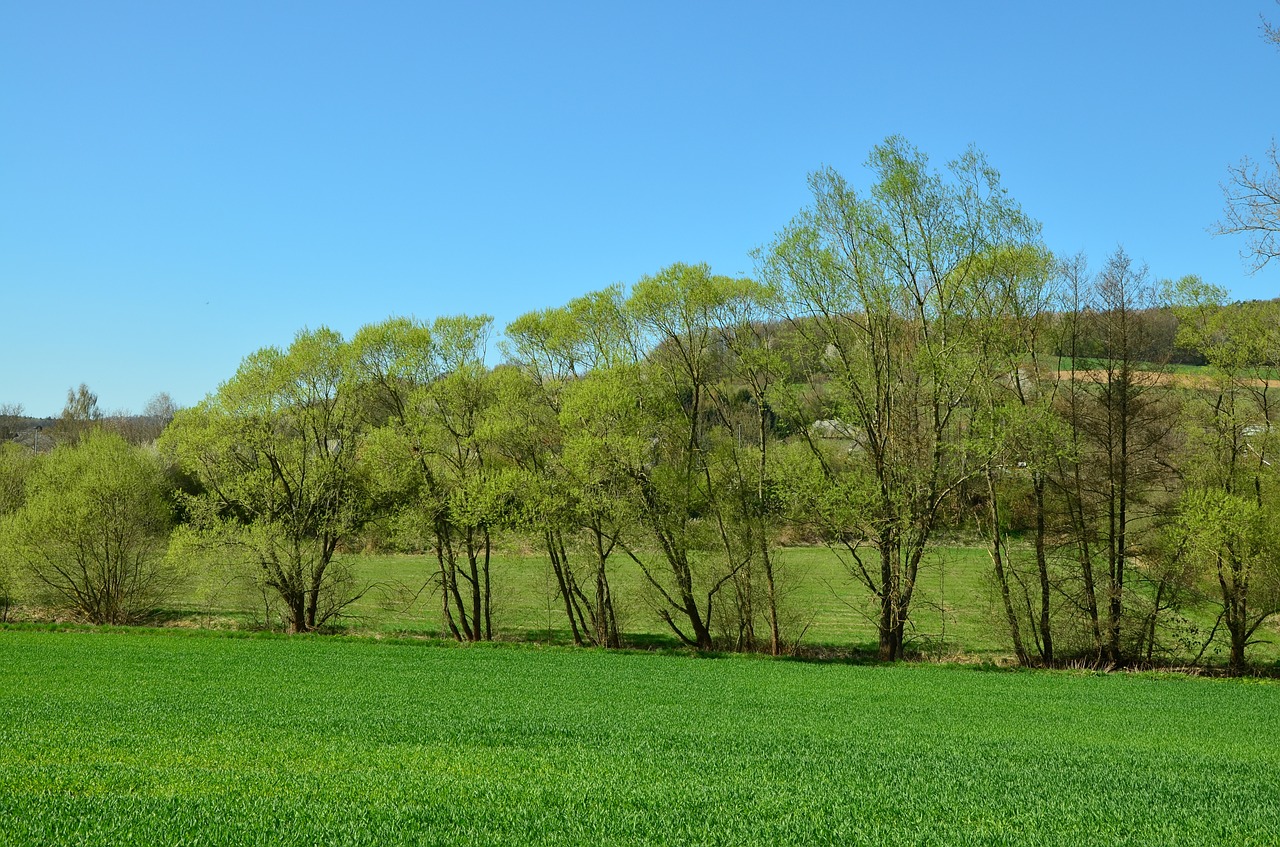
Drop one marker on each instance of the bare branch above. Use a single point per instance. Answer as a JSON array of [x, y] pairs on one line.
[[1252, 193]]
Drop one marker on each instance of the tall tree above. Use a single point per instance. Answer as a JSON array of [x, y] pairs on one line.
[[554, 349], [677, 313], [754, 367], [80, 414], [1231, 509], [882, 286], [275, 450], [1123, 426], [432, 453], [1010, 428]]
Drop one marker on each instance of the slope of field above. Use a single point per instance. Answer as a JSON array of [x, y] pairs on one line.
[[140, 738]]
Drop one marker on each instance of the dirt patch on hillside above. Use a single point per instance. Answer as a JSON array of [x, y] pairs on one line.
[[1167, 379]]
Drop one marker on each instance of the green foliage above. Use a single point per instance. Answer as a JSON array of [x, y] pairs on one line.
[[889, 381], [146, 739], [898, 291], [275, 450], [89, 537], [16, 465], [432, 459], [80, 414]]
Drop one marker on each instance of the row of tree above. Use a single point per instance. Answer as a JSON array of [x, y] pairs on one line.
[[912, 361]]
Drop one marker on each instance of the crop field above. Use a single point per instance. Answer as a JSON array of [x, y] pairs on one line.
[[162, 738]]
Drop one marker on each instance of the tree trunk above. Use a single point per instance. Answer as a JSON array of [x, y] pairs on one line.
[[1042, 567], [559, 567], [488, 594], [998, 562]]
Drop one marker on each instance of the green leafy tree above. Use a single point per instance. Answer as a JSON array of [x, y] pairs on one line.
[[91, 533], [16, 465], [1010, 434], [1230, 512], [666, 455], [80, 414], [883, 286], [566, 500], [431, 457], [275, 451]]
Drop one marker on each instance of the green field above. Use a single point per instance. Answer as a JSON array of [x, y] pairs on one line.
[[149, 738], [821, 603], [955, 613]]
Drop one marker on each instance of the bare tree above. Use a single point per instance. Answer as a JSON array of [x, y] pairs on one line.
[[10, 420], [1252, 192]]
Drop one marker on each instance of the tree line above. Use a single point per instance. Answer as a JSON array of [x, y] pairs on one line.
[[910, 363]]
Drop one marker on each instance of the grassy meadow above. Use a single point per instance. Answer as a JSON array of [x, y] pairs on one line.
[[822, 605], [158, 737], [955, 613]]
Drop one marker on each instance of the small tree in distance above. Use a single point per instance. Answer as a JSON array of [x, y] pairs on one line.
[[80, 414]]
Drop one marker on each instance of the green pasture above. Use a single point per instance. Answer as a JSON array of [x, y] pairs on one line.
[[153, 737], [821, 605], [956, 612]]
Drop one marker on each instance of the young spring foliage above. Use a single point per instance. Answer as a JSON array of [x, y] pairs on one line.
[[275, 451], [90, 535]]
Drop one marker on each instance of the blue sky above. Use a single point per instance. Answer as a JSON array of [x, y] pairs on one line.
[[183, 183]]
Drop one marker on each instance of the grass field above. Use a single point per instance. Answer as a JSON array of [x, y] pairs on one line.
[[955, 612], [147, 738], [821, 603]]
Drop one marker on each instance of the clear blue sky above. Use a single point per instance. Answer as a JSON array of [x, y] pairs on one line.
[[183, 183]]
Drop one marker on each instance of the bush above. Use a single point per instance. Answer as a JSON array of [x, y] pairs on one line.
[[90, 536]]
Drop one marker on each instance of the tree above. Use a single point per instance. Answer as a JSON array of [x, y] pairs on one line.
[[1252, 193], [1116, 473], [1010, 434], [156, 415], [746, 470], [275, 450], [555, 349], [1252, 209], [431, 456], [1230, 512], [91, 533], [882, 288], [80, 414], [16, 466], [1232, 539], [10, 420], [147, 427], [683, 500]]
